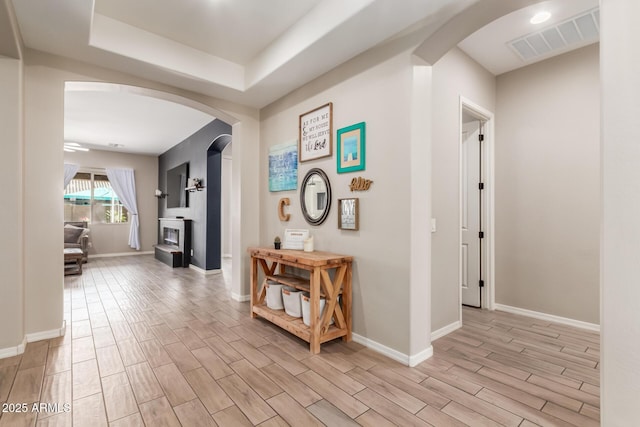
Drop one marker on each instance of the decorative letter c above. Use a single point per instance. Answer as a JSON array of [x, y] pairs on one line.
[[281, 204]]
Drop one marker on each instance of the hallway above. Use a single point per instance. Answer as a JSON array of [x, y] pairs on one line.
[[147, 345]]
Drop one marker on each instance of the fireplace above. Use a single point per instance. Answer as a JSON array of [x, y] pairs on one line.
[[174, 242], [171, 236]]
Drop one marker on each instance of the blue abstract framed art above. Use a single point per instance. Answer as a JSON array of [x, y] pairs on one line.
[[283, 167]]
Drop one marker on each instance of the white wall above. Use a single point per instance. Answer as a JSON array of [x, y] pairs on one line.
[[454, 75], [114, 238], [380, 95], [11, 212], [227, 212], [43, 207], [547, 196], [245, 201], [620, 261]]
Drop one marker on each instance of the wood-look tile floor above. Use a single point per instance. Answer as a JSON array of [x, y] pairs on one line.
[[155, 346]]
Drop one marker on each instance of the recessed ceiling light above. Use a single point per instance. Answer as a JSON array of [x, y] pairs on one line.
[[540, 17]]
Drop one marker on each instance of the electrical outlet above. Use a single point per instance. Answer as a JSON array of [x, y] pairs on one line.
[[191, 252], [433, 225]]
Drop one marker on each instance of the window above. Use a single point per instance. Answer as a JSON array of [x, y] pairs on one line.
[[89, 197]]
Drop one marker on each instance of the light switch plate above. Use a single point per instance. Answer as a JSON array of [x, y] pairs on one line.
[[433, 225]]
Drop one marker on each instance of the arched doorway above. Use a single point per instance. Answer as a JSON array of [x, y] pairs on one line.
[[244, 128], [430, 51]]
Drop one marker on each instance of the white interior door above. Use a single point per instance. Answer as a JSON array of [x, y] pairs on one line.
[[471, 203]]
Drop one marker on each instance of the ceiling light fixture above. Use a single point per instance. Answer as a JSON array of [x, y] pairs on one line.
[[540, 17]]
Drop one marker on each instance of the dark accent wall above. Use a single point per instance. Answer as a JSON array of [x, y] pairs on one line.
[[194, 150], [214, 193]]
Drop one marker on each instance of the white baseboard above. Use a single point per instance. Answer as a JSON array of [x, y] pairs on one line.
[[394, 354], [47, 335], [439, 333], [381, 348], [548, 317], [120, 254], [203, 271], [417, 359], [36, 336], [13, 351], [240, 298]]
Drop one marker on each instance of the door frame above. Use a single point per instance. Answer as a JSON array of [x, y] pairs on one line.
[[488, 206]]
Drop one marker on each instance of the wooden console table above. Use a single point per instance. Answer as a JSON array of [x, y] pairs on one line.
[[318, 284]]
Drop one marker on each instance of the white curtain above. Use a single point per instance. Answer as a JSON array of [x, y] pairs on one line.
[[69, 172], [124, 185]]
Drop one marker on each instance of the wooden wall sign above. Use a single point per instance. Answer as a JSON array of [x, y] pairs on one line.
[[281, 204], [315, 133], [360, 184]]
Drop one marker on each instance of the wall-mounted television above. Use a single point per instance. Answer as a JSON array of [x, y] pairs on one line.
[[176, 183]]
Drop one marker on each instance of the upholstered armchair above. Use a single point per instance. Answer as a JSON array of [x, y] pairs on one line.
[[76, 235]]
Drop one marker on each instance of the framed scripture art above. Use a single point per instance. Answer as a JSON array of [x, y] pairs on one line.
[[348, 215], [351, 148], [283, 167], [315, 133]]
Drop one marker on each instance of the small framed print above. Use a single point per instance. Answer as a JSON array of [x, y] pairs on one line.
[[351, 148], [348, 214], [315, 133]]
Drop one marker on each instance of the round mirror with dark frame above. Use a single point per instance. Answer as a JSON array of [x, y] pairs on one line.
[[315, 196]]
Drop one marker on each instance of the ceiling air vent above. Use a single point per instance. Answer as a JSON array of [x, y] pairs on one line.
[[581, 29]]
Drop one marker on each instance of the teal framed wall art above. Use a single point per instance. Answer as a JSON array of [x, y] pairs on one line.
[[351, 148]]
